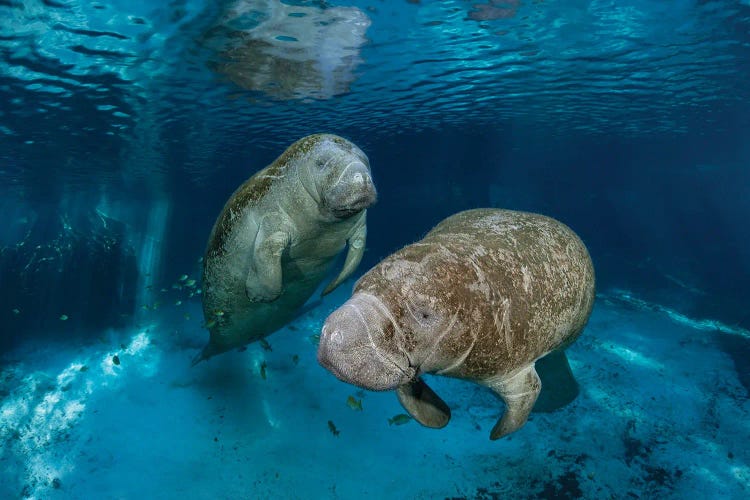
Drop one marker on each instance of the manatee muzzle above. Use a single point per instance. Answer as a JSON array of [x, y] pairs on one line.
[[352, 192], [348, 347]]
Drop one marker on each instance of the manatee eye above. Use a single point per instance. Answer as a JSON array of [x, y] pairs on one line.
[[421, 311]]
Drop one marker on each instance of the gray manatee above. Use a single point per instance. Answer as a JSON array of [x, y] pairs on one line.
[[278, 236], [482, 297]]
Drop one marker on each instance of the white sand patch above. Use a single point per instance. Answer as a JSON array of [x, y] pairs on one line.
[[38, 418]]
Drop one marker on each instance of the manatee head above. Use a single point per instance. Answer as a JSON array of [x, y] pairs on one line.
[[382, 336], [340, 175], [356, 345]]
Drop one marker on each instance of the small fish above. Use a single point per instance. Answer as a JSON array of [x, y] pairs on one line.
[[116, 359], [332, 428], [219, 313], [293, 328], [354, 404], [198, 291], [263, 370], [295, 359], [190, 283], [187, 316], [16, 311], [122, 346], [163, 290], [149, 287], [399, 419], [265, 345], [183, 277], [200, 259], [144, 307], [211, 324], [315, 338], [63, 317], [84, 368], [242, 349], [178, 303], [156, 306]]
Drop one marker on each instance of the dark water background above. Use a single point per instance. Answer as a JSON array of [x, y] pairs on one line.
[[124, 127]]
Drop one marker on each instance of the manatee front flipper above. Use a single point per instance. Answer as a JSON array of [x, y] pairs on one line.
[[423, 404], [353, 256], [519, 392], [263, 282], [559, 387]]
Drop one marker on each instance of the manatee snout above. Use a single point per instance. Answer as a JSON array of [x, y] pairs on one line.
[[348, 347], [352, 192]]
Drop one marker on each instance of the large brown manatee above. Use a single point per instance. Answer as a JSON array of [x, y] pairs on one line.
[[278, 236], [482, 297]]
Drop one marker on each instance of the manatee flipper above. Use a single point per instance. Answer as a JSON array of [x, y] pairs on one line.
[[423, 404], [519, 393], [264, 280], [354, 254], [559, 387]]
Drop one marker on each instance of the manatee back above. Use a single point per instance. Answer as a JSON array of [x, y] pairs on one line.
[[520, 285], [534, 274], [231, 318]]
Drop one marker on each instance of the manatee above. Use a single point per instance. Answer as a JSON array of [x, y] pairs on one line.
[[278, 237], [482, 297]]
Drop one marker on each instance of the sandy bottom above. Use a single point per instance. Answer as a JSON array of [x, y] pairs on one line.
[[661, 414]]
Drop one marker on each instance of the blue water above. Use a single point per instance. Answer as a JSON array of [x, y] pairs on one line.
[[126, 125]]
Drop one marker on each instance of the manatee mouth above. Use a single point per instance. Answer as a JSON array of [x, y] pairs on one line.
[[354, 206]]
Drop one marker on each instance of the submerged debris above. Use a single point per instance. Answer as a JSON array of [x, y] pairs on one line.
[[265, 345], [116, 359]]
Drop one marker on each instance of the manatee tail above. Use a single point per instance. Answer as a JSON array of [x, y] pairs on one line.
[[207, 352], [309, 306]]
